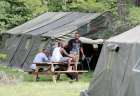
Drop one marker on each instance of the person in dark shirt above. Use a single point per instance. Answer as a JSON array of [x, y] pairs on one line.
[[75, 48], [75, 45]]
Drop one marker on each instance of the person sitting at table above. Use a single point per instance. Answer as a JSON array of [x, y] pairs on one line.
[[40, 57], [57, 55]]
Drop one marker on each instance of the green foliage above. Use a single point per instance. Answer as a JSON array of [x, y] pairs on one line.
[[37, 7], [87, 6], [12, 71], [16, 12], [134, 15], [110, 5], [82, 5], [13, 13], [55, 5]]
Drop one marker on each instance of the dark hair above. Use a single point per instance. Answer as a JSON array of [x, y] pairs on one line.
[[45, 49], [77, 33], [60, 43]]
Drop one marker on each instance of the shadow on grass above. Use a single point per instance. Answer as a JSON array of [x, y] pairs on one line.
[[85, 77]]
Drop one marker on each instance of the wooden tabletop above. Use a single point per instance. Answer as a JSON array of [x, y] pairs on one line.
[[50, 63]]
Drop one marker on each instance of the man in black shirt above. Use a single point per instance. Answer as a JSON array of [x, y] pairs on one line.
[[75, 45], [75, 48]]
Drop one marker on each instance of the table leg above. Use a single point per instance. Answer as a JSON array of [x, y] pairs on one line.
[[36, 73], [54, 78], [77, 61], [52, 68], [52, 73], [77, 76]]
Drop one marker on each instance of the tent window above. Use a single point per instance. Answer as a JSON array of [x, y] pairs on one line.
[[0, 38], [1, 41], [83, 29], [136, 68], [27, 46], [44, 39], [98, 24]]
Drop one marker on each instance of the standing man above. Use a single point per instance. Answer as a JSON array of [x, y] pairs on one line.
[[75, 47]]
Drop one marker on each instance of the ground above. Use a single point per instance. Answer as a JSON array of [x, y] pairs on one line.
[[45, 87]]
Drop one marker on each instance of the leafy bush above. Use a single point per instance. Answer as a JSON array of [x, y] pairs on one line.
[[134, 15], [16, 12]]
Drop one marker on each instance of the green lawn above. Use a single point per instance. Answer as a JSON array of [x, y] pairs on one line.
[[45, 87]]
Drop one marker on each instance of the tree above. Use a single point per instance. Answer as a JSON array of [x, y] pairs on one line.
[[37, 7], [55, 5], [13, 13], [137, 2], [16, 12], [122, 9]]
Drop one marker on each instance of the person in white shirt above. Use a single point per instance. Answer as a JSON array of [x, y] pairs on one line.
[[58, 57], [40, 57]]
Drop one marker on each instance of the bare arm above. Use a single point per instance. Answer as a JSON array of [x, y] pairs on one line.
[[81, 49], [63, 50]]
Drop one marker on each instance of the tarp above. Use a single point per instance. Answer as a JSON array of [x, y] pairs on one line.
[[57, 24], [117, 72], [26, 40]]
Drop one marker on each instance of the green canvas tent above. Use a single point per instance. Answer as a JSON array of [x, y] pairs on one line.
[[24, 41], [118, 69]]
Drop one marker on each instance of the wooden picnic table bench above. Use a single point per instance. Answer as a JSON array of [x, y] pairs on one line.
[[51, 70]]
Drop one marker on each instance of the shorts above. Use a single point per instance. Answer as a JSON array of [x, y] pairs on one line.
[[75, 55], [33, 66], [74, 52], [64, 59]]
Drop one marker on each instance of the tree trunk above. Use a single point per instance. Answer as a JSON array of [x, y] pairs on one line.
[[137, 2], [122, 9]]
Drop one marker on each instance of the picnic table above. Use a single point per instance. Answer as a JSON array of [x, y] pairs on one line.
[[51, 70]]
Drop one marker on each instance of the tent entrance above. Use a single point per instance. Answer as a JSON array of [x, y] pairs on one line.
[[92, 53]]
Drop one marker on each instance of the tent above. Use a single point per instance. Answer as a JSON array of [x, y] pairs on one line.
[[118, 69], [23, 42]]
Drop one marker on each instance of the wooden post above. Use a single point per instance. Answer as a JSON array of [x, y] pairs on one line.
[[137, 2], [52, 73]]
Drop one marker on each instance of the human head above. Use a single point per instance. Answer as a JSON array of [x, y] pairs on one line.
[[46, 51], [77, 35], [60, 44]]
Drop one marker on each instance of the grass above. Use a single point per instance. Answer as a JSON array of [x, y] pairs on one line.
[[45, 87], [12, 71], [85, 77], [3, 56]]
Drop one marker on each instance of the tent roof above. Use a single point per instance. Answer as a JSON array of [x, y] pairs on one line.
[[130, 36], [54, 23], [32, 23]]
